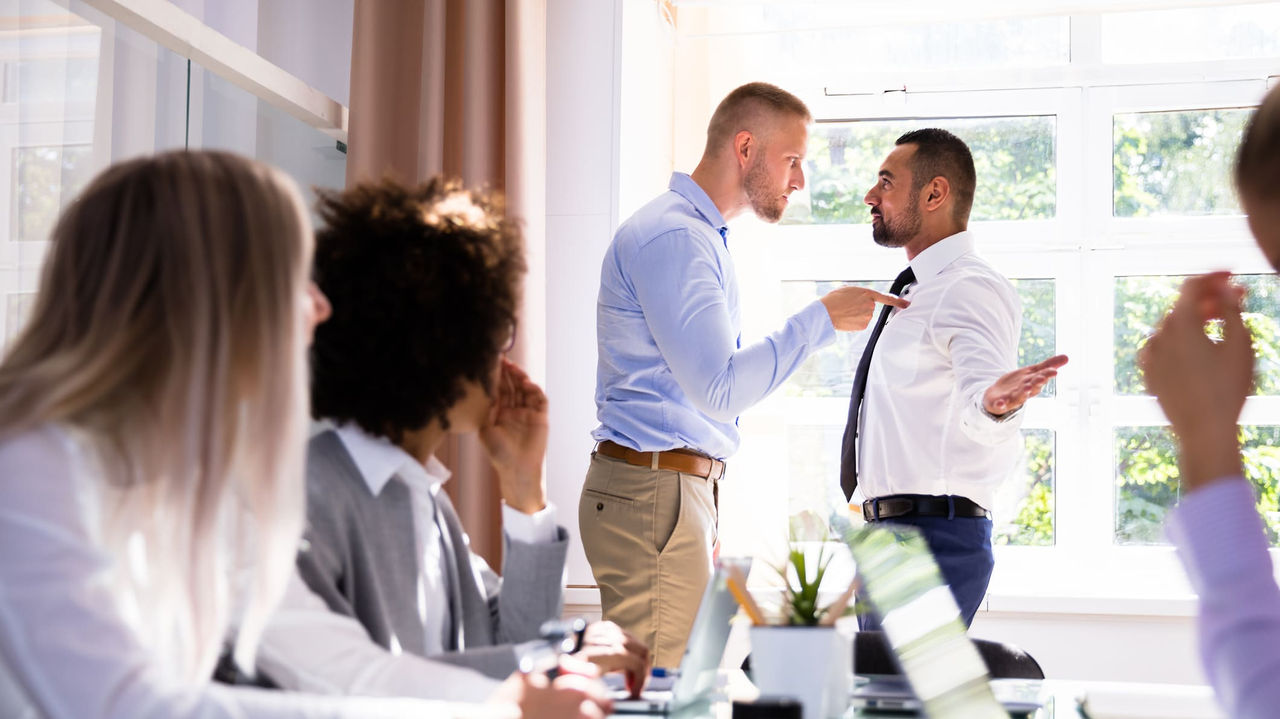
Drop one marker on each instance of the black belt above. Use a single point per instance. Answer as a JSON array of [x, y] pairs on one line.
[[921, 505]]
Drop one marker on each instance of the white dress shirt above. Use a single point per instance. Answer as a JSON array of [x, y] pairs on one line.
[[69, 647], [923, 429], [308, 647]]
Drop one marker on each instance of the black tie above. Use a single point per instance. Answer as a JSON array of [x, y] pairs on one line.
[[849, 447]]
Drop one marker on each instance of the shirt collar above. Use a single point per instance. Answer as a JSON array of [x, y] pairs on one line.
[[684, 186], [379, 460], [936, 257]]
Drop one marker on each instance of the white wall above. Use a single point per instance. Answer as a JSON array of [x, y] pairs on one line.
[[310, 39], [601, 85], [1101, 645], [648, 106], [582, 182]]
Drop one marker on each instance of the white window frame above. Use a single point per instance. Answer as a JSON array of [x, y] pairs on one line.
[[1083, 248]]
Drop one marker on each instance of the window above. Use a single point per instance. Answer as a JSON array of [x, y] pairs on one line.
[[1176, 163], [17, 307], [1015, 155], [1099, 190], [1146, 467], [1192, 34], [45, 180], [63, 118]]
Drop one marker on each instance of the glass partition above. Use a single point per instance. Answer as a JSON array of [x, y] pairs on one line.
[[79, 91]]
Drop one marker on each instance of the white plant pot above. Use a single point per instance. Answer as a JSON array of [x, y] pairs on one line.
[[812, 664]]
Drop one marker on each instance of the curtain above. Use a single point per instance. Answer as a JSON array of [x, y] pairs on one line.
[[458, 87]]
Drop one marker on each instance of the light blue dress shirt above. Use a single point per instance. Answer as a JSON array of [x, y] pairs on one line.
[[1223, 545], [672, 372]]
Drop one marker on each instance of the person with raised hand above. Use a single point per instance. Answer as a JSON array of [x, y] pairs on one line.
[[1201, 384]]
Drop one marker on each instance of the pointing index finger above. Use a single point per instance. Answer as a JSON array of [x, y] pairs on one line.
[[884, 299]]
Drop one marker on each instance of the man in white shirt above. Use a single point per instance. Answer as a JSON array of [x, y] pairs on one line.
[[935, 410], [425, 284]]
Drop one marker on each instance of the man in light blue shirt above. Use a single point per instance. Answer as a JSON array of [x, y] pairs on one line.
[[673, 375]]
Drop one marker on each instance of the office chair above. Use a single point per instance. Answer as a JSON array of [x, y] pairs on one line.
[[871, 655]]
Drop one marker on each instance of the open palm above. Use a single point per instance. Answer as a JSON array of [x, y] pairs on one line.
[[1014, 389]]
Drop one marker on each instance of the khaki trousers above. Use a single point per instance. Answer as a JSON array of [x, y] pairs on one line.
[[648, 534]]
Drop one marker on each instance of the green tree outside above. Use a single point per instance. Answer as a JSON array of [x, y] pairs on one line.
[[1013, 157], [1146, 457]]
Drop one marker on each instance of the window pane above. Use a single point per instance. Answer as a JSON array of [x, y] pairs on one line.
[[754, 42], [1175, 163], [54, 79], [235, 120], [1024, 511], [1140, 302], [47, 179], [1039, 340], [813, 467], [1014, 158], [1191, 34], [829, 372], [17, 307], [1147, 480]]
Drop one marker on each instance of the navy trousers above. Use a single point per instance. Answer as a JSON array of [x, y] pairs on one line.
[[962, 548]]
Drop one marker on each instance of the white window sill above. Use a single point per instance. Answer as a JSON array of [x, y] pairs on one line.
[[582, 598], [1130, 606]]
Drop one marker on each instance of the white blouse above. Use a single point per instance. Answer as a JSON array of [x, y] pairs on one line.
[[67, 650]]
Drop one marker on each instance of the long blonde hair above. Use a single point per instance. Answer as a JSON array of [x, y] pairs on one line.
[[168, 330]]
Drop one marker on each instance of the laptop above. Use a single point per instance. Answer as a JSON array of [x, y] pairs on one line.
[[943, 675], [695, 680]]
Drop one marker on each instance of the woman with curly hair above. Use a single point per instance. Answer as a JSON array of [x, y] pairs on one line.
[[152, 425], [425, 283]]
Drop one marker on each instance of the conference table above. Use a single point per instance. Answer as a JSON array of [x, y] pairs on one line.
[[1064, 700]]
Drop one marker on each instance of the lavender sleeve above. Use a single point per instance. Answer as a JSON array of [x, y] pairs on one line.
[[1222, 544]]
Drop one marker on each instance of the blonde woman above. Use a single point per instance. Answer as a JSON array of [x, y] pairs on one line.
[[152, 422]]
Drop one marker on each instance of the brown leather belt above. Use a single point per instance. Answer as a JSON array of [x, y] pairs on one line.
[[687, 461]]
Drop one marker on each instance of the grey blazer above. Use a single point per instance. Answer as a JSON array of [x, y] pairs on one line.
[[359, 556]]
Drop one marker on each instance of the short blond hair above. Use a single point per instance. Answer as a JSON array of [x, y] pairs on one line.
[[751, 107]]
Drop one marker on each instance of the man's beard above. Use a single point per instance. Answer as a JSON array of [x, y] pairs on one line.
[[900, 231], [765, 202]]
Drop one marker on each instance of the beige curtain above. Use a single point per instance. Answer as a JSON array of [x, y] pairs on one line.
[[457, 87]]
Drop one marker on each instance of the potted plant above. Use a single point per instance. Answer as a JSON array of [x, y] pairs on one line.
[[803, 655]]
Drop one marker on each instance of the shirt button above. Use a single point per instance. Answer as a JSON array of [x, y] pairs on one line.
[[599, 506]]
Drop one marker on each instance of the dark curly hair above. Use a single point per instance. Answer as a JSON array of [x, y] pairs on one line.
[[424, 283]]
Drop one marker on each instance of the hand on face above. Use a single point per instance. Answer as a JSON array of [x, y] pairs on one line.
[[1014, 389], [612, 649], [851, 308], [574, 694], [515, 437], [1201, 384]]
